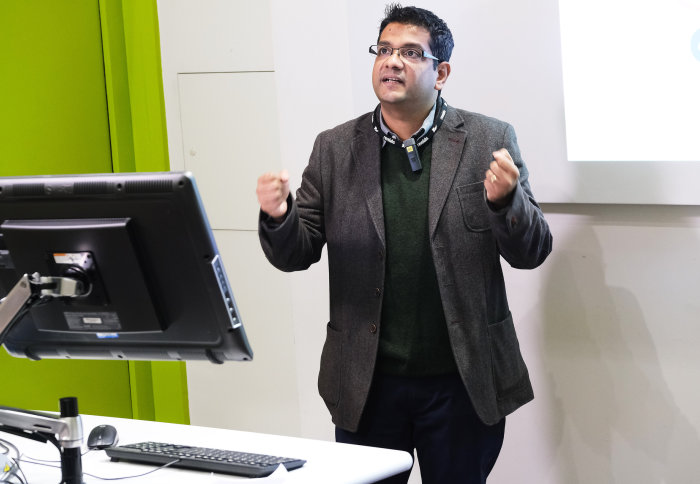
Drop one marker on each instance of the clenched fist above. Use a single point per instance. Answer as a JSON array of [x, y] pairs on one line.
[[273, 190], [501, 177]]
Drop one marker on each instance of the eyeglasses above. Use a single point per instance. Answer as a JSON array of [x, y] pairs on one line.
[[411, 54]]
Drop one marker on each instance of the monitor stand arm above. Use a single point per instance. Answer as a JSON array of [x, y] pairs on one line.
[[30, 290], [64, 431]]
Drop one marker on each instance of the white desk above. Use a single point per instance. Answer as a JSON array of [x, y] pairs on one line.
[[327, 462]]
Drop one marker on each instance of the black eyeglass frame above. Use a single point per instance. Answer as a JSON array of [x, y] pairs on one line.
[[373, 49]]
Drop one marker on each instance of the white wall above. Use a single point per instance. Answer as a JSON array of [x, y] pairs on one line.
[[608, 325], [609, 328]]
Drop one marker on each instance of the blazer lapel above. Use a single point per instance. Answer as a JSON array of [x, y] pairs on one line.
[[366, 148], [448, 144]]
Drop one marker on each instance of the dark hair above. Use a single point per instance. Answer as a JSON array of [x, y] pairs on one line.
[[441, 42]]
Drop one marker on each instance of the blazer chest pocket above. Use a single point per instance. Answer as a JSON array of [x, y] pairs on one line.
[[473, 205]]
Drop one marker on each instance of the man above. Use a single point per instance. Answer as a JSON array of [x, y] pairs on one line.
[[417, 202]]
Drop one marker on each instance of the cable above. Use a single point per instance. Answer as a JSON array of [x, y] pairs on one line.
[[22, 479], [137, 475], [38, 463], [8, 465], [10, 469], [36, 459], [16, 470]]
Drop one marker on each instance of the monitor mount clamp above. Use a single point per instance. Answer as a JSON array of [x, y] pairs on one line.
[[31, 290]]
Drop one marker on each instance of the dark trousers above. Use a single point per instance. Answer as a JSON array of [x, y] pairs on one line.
[[434, 416]]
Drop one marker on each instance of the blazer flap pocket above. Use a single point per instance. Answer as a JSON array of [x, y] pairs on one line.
[[330, 374], [473, 205]]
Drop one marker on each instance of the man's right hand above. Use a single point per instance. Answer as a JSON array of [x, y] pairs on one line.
[[273, 190]]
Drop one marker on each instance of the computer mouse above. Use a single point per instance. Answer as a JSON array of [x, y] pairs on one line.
[[102, 436]]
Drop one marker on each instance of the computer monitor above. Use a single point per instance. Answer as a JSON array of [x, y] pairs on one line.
[[139, 245]]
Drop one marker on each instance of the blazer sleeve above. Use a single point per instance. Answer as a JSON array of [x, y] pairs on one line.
[[297, 242], [520, 229]]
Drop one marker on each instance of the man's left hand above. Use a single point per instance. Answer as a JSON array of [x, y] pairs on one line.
[[501, 178]]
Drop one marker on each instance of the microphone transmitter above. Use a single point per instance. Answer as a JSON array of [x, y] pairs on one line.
[[412, 151]]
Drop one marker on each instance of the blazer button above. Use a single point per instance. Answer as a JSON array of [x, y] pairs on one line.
[[372, 328], [377, 292]]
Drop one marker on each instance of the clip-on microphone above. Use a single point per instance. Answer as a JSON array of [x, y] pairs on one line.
[[412, 144], [412, 151]]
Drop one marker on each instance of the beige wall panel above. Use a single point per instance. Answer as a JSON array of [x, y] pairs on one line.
[[230, 136], [209, 36], [261, 395]]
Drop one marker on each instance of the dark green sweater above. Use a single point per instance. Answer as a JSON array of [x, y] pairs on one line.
[[413, 336]]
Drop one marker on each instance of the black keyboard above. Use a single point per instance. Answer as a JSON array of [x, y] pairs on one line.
[[203, 458]]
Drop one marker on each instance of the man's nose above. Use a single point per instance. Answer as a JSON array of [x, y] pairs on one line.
[[395, 58]]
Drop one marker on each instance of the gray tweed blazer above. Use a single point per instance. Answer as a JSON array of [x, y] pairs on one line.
[[339, 203]]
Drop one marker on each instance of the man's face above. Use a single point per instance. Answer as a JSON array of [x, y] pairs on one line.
[[400, 82]]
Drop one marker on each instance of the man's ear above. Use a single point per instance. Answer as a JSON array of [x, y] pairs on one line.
[[443, 70]]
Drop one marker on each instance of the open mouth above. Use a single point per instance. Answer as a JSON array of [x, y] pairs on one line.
[[392, 80]]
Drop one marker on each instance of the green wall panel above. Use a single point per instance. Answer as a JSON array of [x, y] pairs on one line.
[[53, 119], [53, 114], [82, 92], [102, 387]]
